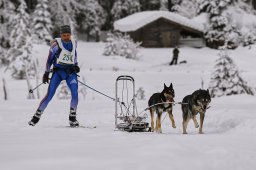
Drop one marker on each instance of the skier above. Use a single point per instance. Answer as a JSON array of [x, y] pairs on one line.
[[63, 57], [175, 56]]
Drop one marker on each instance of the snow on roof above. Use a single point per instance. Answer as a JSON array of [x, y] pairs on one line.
[[137, 20]]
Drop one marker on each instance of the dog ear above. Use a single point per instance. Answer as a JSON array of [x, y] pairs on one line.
[[208, 91], [165, 86], [171, 85]]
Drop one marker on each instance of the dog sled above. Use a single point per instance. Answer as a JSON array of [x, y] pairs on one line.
[[126, 115]]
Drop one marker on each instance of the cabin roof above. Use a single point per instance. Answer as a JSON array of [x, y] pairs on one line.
[[138, 20]]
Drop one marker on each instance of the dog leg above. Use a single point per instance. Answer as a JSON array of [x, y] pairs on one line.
[[159, 128], [201, 123], [185, 125], [157, 124], [152, 119], [195, 122], [171, 118]]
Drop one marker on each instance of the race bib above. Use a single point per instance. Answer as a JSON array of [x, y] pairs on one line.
[[66, 59]]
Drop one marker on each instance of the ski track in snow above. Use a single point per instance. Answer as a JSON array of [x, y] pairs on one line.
[[229, 135]]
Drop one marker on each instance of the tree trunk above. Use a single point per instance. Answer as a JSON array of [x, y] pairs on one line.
[[254, 4], [30, 95], [5, 90], [37, 78]]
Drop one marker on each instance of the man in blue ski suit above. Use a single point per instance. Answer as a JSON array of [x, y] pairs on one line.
[[63, 57]]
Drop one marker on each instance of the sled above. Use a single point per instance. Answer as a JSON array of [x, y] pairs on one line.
[[126, 115]]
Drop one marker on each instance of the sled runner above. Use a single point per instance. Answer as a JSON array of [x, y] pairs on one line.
[[126, 115]]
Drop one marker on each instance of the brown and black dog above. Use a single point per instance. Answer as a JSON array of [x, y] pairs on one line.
[[195, 103], [166, 95]]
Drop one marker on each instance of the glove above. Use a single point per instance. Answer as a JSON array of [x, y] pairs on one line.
[[46, 77], [76, 69]]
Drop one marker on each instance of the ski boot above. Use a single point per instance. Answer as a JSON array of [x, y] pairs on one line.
[[35, 118], [72, 118]]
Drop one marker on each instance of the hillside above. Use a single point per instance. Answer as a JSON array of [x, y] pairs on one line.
[[228, 141]]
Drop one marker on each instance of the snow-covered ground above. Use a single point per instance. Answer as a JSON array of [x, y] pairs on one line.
[[229, 135]]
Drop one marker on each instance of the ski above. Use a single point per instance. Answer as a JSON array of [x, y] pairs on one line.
[[88, 127], [81, 126]]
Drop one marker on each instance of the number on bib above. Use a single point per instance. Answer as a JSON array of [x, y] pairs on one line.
[[68, 57]]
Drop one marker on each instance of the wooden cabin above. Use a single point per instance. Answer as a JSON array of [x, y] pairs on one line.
[[161, 29]]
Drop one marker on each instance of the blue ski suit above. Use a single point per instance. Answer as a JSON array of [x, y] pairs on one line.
[[61, 72]]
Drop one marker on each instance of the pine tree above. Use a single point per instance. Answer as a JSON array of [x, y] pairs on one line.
[[174, 5], [221, 28], [184, 7], [63, 13], [19, 55], [91, 19], [42, 22], [140, 94], [122, 45], [123, 8], [107, 6], [63, 92], [6, 13], [164, 5], [226, 79], [2, 56]]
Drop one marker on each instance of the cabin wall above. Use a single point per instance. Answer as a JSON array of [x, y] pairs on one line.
[[160, 33]]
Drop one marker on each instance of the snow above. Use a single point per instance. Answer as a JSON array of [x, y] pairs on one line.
[[229, 135], [247, 20], [201, 18], [135, 21]]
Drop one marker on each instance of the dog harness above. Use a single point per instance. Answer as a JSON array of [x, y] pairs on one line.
[[168, 107], [66, 57]]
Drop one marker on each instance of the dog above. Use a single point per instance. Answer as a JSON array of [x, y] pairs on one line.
[[166, 95], [193, 104]]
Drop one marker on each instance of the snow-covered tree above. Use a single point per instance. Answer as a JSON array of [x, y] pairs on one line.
[[63, 92], [107, 6], [3, 60], [221, 28], [123, 8], [213, 7], [184, 7], [173, 5], [140, 94], [63, 13], [19, 55], [154, 4], [226, 79], [3, 22], [42, 22], [122, 45], [78, 14], [164, 5], [6, 13], [90, 19], [249, 37]]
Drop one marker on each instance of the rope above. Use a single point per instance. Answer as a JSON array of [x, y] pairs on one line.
[[164, 103], [123, 104], [97, 91]]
